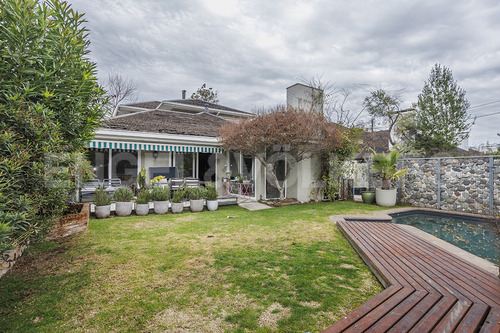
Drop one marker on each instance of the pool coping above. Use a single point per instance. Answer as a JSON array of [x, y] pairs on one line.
[[383, 216]]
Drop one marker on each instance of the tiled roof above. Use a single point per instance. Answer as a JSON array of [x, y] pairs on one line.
[[378, 141], [146, 105], [156, 121]]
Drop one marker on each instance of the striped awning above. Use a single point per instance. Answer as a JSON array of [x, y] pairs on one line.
[[99, 144]]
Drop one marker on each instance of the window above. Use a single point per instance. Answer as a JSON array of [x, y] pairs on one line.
[[184, 164]]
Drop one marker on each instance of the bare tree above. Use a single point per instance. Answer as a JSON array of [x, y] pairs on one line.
[[118, 90], [282, 135]]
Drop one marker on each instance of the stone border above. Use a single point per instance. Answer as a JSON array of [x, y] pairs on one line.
[[383, 216]]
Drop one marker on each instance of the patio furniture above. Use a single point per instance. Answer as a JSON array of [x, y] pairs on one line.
[[111, 184], [176, 183], [191, 182], [88, 190]]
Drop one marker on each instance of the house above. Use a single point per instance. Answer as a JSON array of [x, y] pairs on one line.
[[182, 135]]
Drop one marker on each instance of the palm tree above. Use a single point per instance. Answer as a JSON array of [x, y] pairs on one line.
[[385, 164]]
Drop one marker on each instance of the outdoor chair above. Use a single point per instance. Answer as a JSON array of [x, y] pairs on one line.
[[176, 183], [111, 184], [88, 190], [191, 182]]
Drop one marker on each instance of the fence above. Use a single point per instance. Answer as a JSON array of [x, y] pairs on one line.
[[465, 184]]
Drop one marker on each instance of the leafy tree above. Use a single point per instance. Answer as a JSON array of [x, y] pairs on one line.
[[50, 103], [281, 135], [441, 119], [381, 104], [206, 94]]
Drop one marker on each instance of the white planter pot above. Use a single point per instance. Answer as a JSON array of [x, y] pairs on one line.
[[123, 208], [212, 205], [102, 212], [177, 207], [196, 205], [161, 207], [142, 209], [386, 198]]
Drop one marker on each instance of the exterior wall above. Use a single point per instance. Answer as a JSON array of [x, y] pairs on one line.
[[303, 97], [309, 171], [148, 161], [221, 172], [260, 180], [456, 184]]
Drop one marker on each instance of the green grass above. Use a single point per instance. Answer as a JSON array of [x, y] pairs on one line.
[[285, 269]]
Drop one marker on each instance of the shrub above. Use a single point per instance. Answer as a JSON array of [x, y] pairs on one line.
[[196, 193], [101, 197], [143, 197], [211, 191], [160, 194], [123, 194], [178, 195]]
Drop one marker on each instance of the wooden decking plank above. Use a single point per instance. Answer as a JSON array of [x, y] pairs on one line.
[[424, 280], [432, 290], [467, 271], [400, 273], [463, 271], [453, 317], [492, 322], [413, 316], [380, 311], [473, 319], [363, 310], [382, 270], [434, 315], [453, 280], [390, 319]]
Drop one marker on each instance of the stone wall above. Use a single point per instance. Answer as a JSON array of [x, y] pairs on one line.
[[463, 184]]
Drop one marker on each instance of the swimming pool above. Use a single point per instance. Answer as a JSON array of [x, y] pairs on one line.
[[473, 235]]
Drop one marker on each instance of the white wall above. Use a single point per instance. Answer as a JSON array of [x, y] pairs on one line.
[[300, 96]]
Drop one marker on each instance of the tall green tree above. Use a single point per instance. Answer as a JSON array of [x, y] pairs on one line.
[[206, 94], [385, 106], [50, 105], [441, 119]]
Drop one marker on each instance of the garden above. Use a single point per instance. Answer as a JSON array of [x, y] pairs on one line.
[[286, 269]]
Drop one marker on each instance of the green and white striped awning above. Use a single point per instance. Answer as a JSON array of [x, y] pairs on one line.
[[99, 144]]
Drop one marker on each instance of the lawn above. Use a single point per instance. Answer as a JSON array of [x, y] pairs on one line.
[[285, 269]]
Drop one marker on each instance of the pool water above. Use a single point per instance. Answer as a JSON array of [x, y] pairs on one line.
[[474, 236]]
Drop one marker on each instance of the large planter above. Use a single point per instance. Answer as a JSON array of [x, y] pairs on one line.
[[161, 207], [368, 197], [196, 205], [177, 207], [102, 212], [386, 198], [142, 209], [212, 205], [123, 208]]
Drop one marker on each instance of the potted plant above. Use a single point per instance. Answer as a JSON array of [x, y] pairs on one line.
[[141, 179], [123, 197], [368, 196], [177, 197], [161, 197], [212, 195], [142, 202], [385, 165], [196, 197], [102, 202]]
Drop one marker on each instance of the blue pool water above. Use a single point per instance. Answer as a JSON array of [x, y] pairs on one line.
[[472, 235]]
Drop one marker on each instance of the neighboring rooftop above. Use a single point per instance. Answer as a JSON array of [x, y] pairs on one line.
[[183, 105], [168, 122]]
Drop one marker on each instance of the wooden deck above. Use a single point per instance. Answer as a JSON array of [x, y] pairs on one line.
[[427, 288]]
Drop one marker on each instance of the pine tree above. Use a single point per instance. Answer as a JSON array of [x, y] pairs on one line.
[[441, 118]]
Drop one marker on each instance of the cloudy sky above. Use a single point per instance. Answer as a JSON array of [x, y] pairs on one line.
[[250, 51]]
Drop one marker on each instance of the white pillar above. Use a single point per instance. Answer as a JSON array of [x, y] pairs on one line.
[[110, 163]]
